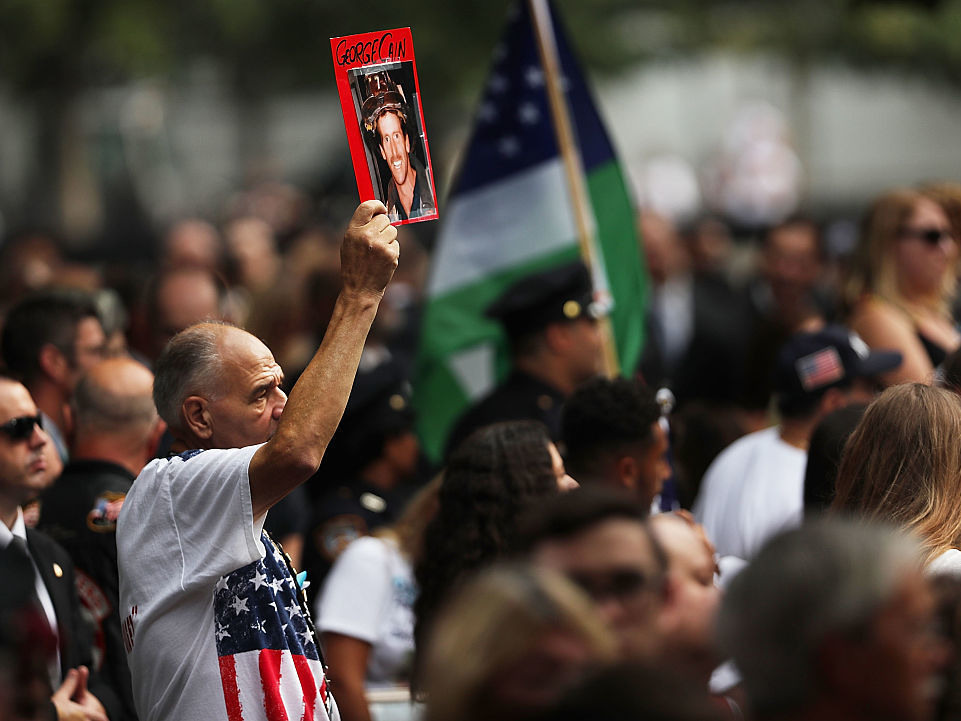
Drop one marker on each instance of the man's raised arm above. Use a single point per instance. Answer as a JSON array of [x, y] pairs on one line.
[[368, 258]]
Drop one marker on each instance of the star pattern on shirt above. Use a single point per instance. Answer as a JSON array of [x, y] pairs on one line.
[[258, 607], [239, 604], [258, 580]]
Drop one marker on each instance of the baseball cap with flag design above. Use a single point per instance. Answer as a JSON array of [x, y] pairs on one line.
[[809, 363]]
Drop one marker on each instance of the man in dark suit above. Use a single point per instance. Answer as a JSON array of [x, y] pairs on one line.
[[23, 474], [696, 326]]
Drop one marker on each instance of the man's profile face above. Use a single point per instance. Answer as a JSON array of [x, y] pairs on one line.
[[89, 348], [653, 465], [23, 466], [394, 146], [246, 408], [585, 355]]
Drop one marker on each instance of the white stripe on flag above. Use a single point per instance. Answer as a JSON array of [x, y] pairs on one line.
[[253, 688], [474, 368], [502, 225]]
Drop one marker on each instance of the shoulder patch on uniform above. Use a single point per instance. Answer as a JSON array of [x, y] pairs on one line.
[[102, 518]]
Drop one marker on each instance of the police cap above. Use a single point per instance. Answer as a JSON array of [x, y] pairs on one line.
[[555, 295]]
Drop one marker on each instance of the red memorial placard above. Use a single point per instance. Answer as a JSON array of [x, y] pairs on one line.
[[380, 97]]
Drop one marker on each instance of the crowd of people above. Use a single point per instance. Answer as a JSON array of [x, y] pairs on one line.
[[214, 504]]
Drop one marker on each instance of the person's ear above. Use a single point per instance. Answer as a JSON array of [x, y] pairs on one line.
[[382, 153], [626, 469], [54, 363], [407, 142], [197, 417]]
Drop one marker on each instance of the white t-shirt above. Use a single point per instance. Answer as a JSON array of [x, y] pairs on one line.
[[210, 614], [369, 594], [752, 490]]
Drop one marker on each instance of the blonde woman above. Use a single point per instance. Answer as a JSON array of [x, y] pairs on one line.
[[509, 644], [902, 466], [902, 279]]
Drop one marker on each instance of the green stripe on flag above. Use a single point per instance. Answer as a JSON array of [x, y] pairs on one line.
[[455, 322], [617, 241]]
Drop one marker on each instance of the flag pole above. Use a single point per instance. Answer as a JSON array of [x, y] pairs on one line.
[[574, 170]]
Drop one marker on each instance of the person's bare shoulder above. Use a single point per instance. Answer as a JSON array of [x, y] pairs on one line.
[[884, 326]]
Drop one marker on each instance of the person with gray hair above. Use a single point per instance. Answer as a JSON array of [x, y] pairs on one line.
[[117, 431], [214, 617], [834, 620]]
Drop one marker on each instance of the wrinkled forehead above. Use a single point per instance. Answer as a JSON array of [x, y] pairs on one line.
[[15, 400], [244, 354]]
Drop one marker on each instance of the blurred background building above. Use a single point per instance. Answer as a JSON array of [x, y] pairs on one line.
[[119, 117]]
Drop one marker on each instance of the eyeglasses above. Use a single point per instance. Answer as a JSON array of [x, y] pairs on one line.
[[931, 236], [619, 585], [18, 429]]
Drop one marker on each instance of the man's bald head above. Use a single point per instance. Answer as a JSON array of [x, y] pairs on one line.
[[115, 396], [190, 364]]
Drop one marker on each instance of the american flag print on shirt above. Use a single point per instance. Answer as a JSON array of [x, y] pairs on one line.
[[820, 368], [270, 666]]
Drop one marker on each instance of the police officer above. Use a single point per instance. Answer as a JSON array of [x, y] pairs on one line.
[[550, 319], [371, 465], [117, 433]]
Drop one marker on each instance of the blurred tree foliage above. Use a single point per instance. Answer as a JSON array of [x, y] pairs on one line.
[[280, 45], [53, 50]]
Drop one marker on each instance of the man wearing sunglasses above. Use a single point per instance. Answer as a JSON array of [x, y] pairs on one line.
[[214, 619], [24, 474]]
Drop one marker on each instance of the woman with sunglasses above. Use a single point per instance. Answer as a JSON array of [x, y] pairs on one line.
[[901, 281]]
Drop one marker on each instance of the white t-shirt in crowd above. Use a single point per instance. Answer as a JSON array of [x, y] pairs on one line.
[[210, 613], [752, 490], [369, 594]]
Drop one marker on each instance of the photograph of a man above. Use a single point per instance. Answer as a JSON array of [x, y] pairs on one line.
[[409, 192]]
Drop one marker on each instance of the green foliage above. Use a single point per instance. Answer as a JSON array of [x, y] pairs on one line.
[[270, 46]]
